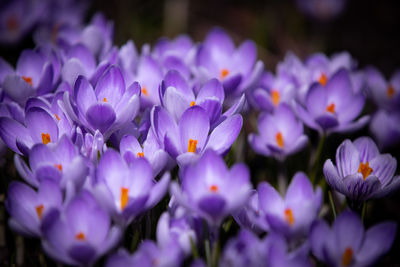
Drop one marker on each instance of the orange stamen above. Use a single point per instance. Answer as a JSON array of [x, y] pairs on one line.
[[289, 218], [192, 103], [46, 138], [140, 155], [279, 139], [275, 97], [365, 170], [347, 257], [28, 80], [105, 100], [323, 79], [58, 118], [124, 197], [144, 91], [192, 146], [390, 91], [58, 166], [331, 108], [214, 188], [39, 211], [80, 236], [224, 73]]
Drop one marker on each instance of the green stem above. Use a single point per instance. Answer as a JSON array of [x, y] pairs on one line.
[[194, 248], [332, 204], [317, 159], [208, 252]]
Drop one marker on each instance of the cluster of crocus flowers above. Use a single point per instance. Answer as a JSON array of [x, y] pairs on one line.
[[106, 136]]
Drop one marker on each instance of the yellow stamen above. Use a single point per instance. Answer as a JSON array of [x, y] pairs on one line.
[[58, 118], [289, 218], [331, 108], [39, 211], [58, 166], [279, 139], [323, 79], [192, 103], [224, 73], [390, 91], [214, 188], [144, 91], [46, 138], [192, 145], [124, 197], [347, 257], [275, 97], [365, 170], [105, 100], [28, 80], [80, 236], [140, 155]]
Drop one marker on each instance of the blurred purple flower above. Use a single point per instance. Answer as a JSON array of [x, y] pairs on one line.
[[323, 10], [348, 244], [361, 172], [385, 127]]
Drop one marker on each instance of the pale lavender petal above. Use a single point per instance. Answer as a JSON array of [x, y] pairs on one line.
[[349, 231], [158, 191], [367, 148], [347, 159], [318, 233], [39, 122], [19, 90], [84, 94], [269, 199], [333, 178], [384, 167], [212, 88], [300, 188], [10, 130], [111, 86], [101, 116], [194, 124]]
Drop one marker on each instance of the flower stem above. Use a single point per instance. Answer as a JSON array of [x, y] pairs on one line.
[[317, 159], [282, 179], [332, 203]]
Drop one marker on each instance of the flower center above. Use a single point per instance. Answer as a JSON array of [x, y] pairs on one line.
[[12, 23], [105, 100], [390, 91], [140, 155], [80, 236], [323, 79], [46, 138], [192, 103], [331, 108], [347, 256], [124, 197], [365, 170], [289, 218], [144, 91], [28, 80], [224, 73], [275, 97], [279, 139], [58, 166], [39, 211], [192, 146], [214, 188]]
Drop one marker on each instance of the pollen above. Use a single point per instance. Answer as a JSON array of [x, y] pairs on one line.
[[347, 257], [192, 103], [105, 100], [140, 155], [275, 97], [59, 167], [80, 236], [279, 139], [289, 218], [46, 138], [214, 188], [365, 170], [224, 73], [124, 197], [28, 80], [58, 118], [12, 23], [390, 91], [39, 211], [144, 91], [331, 108], [192, 146], [323, 79]]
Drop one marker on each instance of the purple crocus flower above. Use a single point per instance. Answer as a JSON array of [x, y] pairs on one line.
[[235, 68], [280, 134], [293, 215], [28, 207], [333, 107], [385, 93], [60, 162], [106, 108], [211, 190], [176, 96], [361, 172], [190, 137], [33, 76], [80, 233], [126, 190], [385, 127], [181, 47], [322, 10], [347, 243]]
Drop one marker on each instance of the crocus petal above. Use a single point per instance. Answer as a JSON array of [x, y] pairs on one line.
[[269, 199], [194, 124], [46, 80], [175, 102], [158, 191], [111, 86], [258, 145], [84, 254], [333, 178], [9, 130], [318, 233], [327, 121], [24, 171], [300, 188], [360, 190], [84, 94], [17, 88], [367, 148], [101, 116], [316, 100], [388, 189], [30, 64], [384, 167], [220, 41], [213, 206], [350, 127], [212, 88], [213, 107], [349, 231], [347, 159], [245, 56], [71, 70], [39, 122]]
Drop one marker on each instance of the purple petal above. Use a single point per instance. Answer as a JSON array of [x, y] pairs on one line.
[[39, 122], [316, 100], [30, 64], [333, 178], [24, 171], [258, 145], [17, 88], [367, 148], [347, 159], [101, 116], [9, 130], [212, 88], [174, 79], [269, 199], [300, 189], [213, 206], [388, 189], [351, 127], [339, 89], [318, 234], [384, 167], [349, 231], [359, 189], [46, 80], [245, 56], [162, 122], [84, 94], [175, 102], [71, 70], [82, 253], [194, 124], [110, 168], [327, 121], [213, 107], [158, 191], [351, 111], [111, 86]]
